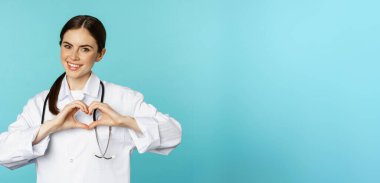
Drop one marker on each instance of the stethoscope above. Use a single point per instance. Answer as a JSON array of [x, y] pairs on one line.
[[103, 155]]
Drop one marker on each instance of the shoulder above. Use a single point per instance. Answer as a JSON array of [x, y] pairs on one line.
[[38, 99], [122, 98], [32, 110], [122, 91]]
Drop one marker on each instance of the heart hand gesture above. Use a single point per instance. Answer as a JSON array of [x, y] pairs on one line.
[[109, 116], [66, 120]]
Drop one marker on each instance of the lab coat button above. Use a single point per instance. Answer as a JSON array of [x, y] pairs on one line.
[[71, 160]]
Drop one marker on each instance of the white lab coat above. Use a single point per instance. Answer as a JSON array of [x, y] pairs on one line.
[[68, 156]]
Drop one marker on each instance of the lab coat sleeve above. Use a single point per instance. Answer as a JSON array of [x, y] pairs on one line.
[[16, 147], [160, 132]]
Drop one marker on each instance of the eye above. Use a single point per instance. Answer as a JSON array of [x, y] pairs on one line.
[[67, 46], [85, 50]]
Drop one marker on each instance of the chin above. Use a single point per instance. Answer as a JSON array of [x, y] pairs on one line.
[[76, 74]]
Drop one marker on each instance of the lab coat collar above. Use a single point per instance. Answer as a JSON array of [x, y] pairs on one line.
[[91, 88]]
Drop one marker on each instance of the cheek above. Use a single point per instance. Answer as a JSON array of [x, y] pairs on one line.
[[90, 58], [64, 54]]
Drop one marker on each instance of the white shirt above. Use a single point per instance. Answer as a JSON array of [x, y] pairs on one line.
[[68, 156]]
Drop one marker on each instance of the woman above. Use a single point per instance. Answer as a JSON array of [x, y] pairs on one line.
[[89, 127]]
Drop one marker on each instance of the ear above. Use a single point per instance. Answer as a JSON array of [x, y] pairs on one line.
[[100, 55]]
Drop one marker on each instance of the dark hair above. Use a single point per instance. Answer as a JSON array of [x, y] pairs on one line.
[[97, 31]]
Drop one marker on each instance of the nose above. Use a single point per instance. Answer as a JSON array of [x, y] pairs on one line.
[[74, 55]]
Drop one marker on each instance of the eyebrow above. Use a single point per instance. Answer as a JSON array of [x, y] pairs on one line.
[[86, 45]]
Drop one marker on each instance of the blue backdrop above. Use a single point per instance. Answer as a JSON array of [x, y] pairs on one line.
[[266, 90]]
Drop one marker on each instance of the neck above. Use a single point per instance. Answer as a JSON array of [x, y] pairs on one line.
[[77, 83]]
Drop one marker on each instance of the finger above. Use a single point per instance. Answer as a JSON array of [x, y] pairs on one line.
[[68, 109], [81, 125], [93, 124], [101, 106], [83, 107], [73, 111], [94, 103], [80, 105], [74, 108], [93, 106]]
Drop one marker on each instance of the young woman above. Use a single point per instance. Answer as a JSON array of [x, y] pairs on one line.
[[84, 129]]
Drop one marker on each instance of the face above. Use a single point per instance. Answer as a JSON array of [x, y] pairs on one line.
[[79, 52]]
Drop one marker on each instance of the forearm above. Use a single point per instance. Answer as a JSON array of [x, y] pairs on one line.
[[161, 134], [131, 123], [16, 147], [45, 129]]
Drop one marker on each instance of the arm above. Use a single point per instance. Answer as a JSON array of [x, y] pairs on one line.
[[44, 131], [26, 139], [150, 130], [160, 133], [64, 120], [16, 147]]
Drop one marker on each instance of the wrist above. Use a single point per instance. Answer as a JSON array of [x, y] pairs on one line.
[[126, 121], [45, 130], [52, 126], [130, 122]]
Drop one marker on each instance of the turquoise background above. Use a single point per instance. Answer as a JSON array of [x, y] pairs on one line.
[[266, 91]]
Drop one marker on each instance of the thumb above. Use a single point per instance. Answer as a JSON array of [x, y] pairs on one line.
[[94, 124], [81, 125]]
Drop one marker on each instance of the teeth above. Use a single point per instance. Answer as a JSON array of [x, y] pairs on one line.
[[73, 65]]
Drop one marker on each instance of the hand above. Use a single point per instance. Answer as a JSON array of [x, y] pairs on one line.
[[109, 116], [66, 120]]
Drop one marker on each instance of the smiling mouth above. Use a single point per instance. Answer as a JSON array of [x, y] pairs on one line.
[[73, 67]]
